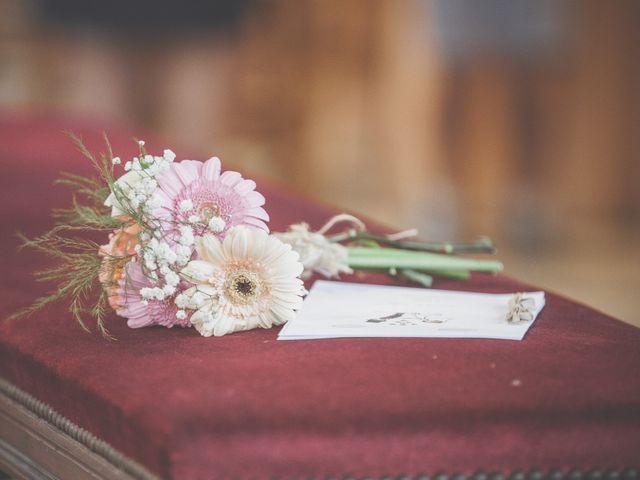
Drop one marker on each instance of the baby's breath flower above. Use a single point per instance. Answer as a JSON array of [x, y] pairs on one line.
[[181, 300], [186, 235], [153, 202], [186, 205], [217, 224], [146, 293], [172, 278], [150, 264], [167, 291], [169, 156]]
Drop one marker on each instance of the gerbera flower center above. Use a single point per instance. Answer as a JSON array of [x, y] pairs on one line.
[[208, 210], [243, 287]]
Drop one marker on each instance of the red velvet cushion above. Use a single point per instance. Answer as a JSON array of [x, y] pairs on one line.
[[247, 405]]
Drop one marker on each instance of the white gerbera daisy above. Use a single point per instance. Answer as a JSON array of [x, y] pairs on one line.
[[249, 280]]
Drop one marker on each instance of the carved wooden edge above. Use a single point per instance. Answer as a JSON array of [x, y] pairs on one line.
[[38, 443]]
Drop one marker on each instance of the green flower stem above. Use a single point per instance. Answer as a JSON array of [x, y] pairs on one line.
[[359, 257], [418, 277], [453, 274], [483, 245]]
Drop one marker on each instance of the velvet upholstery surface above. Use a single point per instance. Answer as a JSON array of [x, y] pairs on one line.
[[246, 405]]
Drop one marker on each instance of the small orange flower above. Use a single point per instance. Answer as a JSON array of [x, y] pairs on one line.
[[122, 244]]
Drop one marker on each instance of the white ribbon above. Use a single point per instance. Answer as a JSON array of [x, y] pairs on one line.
[[317, 253]]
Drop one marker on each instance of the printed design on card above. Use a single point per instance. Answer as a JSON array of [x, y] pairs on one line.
[[408, 318]]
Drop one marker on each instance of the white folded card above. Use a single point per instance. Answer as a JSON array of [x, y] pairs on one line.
[[340, 309]]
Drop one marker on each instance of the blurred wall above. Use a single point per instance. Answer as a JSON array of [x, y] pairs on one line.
[[512, 118]]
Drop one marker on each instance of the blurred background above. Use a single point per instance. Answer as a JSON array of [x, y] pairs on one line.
[[510, 118]]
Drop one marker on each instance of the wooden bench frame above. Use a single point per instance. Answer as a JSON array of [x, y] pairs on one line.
[[38, 443]]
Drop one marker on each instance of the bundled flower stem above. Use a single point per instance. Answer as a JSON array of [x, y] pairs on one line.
[[365, 251]]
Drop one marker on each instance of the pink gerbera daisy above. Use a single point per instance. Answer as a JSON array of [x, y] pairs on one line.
[[198, 194], [144, 313]]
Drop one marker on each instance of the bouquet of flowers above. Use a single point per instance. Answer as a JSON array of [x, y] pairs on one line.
[[189, 246]]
